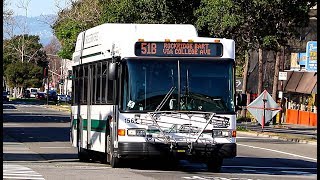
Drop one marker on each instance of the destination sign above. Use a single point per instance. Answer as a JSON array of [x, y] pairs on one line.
[[176, 49]]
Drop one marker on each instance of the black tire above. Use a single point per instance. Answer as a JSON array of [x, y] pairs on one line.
[[214, 165], [114, 161], [83, 155]]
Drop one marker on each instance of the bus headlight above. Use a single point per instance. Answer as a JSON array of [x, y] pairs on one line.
[[221, 133], [137, 132]]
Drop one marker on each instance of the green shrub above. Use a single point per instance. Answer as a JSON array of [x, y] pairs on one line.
[[242, 128], [243, 119]]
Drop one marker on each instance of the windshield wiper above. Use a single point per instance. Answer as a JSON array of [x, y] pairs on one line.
[[165, 99]]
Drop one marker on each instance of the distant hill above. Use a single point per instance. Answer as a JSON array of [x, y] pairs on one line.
[[39, 25]]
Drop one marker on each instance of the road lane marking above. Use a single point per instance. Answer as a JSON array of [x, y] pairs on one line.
[[296, 172], [13, 171], [266, 167], [281, 152]]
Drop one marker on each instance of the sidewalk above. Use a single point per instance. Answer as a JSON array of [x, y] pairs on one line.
[[66, 108], [286, 132]]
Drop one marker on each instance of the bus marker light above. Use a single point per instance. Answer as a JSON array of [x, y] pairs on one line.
[[216, 41], [167, 40], [121, 132], [234, 133], [140, 40], [190, 40], [179, 40]]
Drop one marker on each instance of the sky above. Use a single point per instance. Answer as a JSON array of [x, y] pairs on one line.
[[36, 7]]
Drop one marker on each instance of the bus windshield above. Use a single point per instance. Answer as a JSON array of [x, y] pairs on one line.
[[197, 84]]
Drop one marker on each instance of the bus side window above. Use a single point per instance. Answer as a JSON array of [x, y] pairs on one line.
[[85, 84], [104, 82], [93, 79], [97, 79], [75, 85], [110, 91], [80, 84]]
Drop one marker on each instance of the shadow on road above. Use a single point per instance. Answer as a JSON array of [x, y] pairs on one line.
[[35, 118], [39, 157], [240, 165], [8, 106], [37, 134]]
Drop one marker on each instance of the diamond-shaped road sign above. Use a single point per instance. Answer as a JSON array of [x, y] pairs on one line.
[[263, 108]]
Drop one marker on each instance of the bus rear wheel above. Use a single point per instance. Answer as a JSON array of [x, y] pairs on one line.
[[83, 155], [214, 164]]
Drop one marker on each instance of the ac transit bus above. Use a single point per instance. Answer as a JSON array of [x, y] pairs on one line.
[[153, 90]]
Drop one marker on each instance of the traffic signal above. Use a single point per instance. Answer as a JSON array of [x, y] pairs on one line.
[[45, 72]]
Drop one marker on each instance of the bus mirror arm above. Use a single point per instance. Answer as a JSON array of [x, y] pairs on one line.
[[241, 100]]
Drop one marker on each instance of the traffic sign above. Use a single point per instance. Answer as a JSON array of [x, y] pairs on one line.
[[263, 108], [283, 76], [239, 82]]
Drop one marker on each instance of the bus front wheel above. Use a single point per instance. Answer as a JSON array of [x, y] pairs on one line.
[[114, 161]]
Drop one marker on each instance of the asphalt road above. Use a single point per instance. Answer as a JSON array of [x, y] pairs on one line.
[[36, 146]]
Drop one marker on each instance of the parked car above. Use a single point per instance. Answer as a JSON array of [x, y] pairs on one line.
[[33, 92], [41, 95], [64, 98], [26, 94], [5, 96], [53, 96]]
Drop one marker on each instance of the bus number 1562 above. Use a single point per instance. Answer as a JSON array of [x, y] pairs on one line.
[[131, 120]]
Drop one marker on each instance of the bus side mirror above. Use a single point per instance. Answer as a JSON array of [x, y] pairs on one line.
[[113, 71], [242, 99]]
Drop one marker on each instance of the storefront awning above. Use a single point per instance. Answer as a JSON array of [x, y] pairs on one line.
[[293, 82], [307, 82], [302, 82], [314, 90]]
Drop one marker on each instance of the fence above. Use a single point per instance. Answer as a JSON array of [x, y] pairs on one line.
[[301, 117]]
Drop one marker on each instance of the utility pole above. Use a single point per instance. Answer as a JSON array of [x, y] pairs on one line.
[[48, 88]]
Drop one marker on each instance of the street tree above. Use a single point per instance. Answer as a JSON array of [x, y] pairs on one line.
[[33, 50], [258, 24], [232, 19], [33, 54], [23, 75], [85, 14], [81, 15]]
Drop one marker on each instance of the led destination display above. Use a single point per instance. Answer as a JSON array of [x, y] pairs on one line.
[[176, 49]]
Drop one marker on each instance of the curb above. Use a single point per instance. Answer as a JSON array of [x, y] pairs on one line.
[[58, 108], [296, 140]]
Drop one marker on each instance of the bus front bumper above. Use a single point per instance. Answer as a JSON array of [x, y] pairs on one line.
[[145, 149]]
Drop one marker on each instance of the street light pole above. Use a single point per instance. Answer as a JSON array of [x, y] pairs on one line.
[[264, 113], [48, 87]]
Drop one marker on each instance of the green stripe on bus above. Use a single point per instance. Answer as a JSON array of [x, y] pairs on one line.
[[96, 125]]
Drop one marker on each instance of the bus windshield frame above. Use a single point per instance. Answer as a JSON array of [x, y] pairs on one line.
[[199, 84]]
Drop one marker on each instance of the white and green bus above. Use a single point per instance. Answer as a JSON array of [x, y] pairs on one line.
[[153, 91]]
